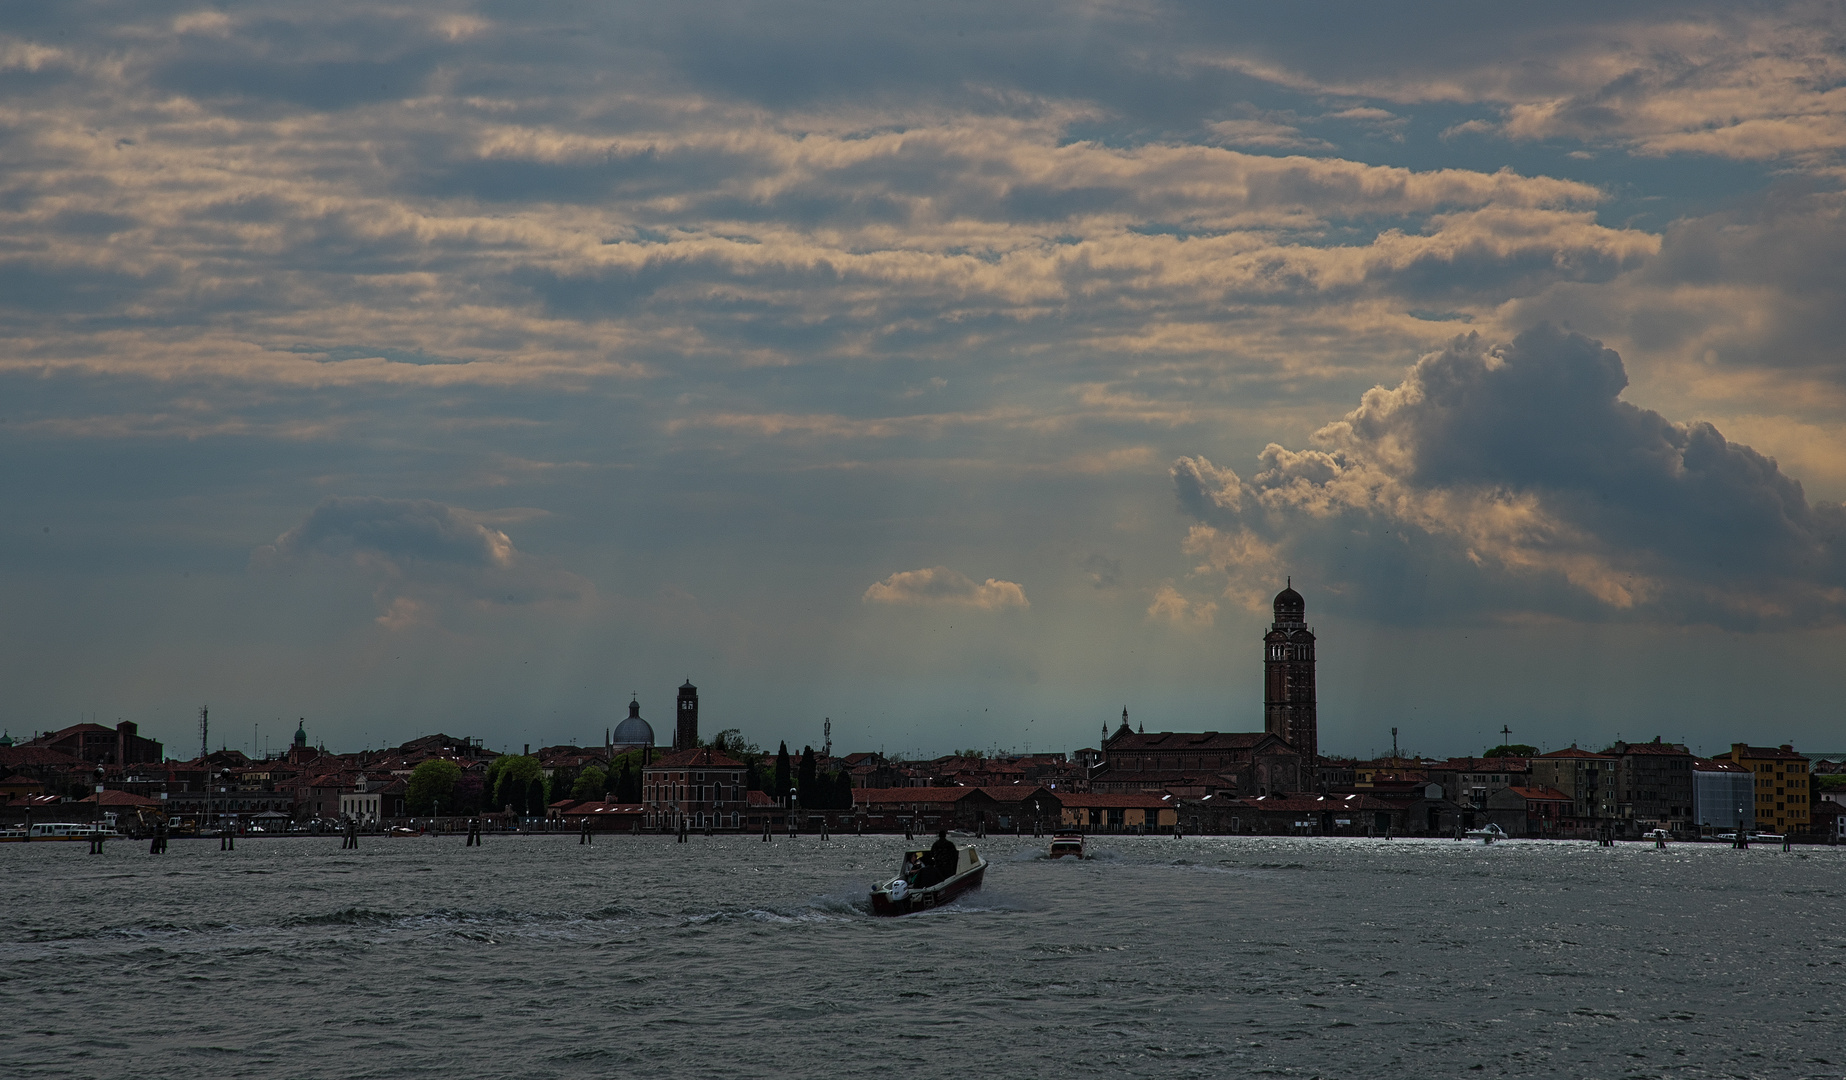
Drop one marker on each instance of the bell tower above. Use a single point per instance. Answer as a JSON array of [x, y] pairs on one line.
[[1288, 679], [686, 732]]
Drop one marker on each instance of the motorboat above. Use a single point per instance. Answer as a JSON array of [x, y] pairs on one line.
[[59, 830], [1487, 833], [912, 890], [1066, 844]]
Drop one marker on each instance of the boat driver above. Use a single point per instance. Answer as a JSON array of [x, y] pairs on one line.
[[942, 858]]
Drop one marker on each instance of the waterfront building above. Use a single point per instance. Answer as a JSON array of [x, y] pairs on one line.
[[924, 809], [1723, 794], [1290, 711], [1097, 812], [1196, 764], [1529, 811], [702, 787], [1472, 782], [1783, 787], [1587, 777], [1653, 783]]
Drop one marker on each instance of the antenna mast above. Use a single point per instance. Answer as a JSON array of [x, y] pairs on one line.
[[826, 728], [204, 732]]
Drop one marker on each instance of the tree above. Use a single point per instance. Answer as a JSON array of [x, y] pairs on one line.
[[782, 774], [535, 796], [513, 781], [842, 789], [590, 784], [432, 787], [804, 778], [469, 791], [1511, 750]]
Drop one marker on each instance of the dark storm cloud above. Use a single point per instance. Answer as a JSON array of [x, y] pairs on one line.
[[422, 555], [1518, 471]]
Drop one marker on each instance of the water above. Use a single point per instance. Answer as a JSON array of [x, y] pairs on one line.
[[726, 957]]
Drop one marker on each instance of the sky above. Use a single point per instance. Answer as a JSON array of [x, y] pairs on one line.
[[960, 373]]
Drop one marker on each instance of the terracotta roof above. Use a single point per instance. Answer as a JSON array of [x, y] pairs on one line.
[[1717, 765], [64, 733], [603, 809], [1574, 752], [1188, 740], [1087, 800], [1658, 748], [702, 757], [37, 755], [1765, 753], [759, 798], [121, 798], [1540, 794], [1009, 792], [939, 795], [1313, 804]]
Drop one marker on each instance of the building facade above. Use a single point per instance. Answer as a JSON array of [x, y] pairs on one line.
[[1723, 795], [1653, 783], [1588, 778], [701, 788], [1198, 763], [1782, 786], [1289, 705]]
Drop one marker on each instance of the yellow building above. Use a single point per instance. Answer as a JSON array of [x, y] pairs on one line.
[[1783, 787]]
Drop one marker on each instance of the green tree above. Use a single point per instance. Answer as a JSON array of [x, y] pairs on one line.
[[590, 784], [804, 778], [783, 778], [513, 780], [535, 796], [432, 787], [1511, 750], [842, 789]]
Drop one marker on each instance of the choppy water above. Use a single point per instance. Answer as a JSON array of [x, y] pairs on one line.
[[727, 957]]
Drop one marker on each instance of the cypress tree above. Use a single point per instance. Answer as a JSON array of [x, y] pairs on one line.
[[842, 789], [804, 780], [782, 774], [535, 797]]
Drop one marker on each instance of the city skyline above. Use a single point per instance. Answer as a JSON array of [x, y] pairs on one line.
[[962, 375]]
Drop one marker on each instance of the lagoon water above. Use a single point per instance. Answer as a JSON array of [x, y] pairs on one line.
[[537, 957]]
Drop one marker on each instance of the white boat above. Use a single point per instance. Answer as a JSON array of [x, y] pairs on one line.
[[59, 830], [1066, 844], [1487, 833], [903, 894]]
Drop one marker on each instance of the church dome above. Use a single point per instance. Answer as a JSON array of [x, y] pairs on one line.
[[634, 731]]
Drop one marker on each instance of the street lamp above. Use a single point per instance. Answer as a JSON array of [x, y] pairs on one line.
[[99, 796]]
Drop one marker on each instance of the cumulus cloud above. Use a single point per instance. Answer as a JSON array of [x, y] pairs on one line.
[[1174, 608], [1512, 478], [421, 555], [939, 585]]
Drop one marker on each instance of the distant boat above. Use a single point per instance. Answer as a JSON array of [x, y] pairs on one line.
[[59, 830], [903, 896], [1066, 844], [1487, 834]]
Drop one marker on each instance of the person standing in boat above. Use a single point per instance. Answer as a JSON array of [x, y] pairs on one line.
[[942, 858]]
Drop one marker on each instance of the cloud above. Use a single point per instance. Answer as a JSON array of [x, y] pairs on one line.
[[421, 555], [1513, 479], [1172, 607], [939, 585]]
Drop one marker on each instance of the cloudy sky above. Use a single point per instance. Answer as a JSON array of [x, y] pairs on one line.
[[961, 372]]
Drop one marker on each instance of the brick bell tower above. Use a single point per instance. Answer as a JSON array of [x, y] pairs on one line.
[[686, 732], [1288, 679]]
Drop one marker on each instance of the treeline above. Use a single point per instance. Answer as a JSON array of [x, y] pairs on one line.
[[517, 781]]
